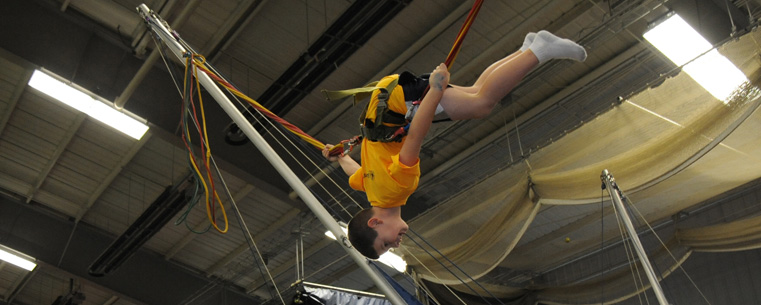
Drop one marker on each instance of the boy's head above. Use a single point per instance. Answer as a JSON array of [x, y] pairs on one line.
[[374, 230]]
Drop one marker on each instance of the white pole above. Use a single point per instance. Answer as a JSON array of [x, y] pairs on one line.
[[158, 27], [615, 196]]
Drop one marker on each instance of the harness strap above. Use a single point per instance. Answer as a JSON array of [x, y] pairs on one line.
[[359, 94], [388, 125]]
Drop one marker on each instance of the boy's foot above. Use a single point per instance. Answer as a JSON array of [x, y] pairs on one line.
[[547, 46], [527, 41]]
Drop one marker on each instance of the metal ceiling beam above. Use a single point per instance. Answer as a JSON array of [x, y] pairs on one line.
[[16, 186], [109, 13], [111, 300], [70, 132], [242, 16], [20, 86], [19, 285], [106, 182]]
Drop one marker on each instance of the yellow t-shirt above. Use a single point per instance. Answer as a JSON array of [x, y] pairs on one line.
[[386, 182]]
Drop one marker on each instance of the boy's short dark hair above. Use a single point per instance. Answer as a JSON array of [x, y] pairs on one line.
[[361, 236]]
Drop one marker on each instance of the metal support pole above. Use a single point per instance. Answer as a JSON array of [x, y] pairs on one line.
[[615, 196], [156, 24]]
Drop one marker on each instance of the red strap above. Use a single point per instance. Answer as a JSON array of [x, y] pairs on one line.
[[460, 38]]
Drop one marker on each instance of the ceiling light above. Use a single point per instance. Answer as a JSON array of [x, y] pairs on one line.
[[17, 258], [88, 103], [389, 258], [680, 43], [394, 261]]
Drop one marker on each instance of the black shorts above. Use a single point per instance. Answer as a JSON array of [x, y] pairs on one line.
[[413, 86]]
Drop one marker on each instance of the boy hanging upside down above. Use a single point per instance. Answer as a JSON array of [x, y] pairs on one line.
[[389, 171]]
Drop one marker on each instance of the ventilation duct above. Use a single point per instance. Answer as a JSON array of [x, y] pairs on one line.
[[149, 223], [344, 37]]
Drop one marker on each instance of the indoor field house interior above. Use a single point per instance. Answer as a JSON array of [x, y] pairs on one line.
[[161, 152]]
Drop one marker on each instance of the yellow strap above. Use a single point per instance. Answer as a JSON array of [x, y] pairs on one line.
[[359, 94]]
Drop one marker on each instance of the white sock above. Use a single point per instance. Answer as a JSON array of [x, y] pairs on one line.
[[547, 46], [527, 41]]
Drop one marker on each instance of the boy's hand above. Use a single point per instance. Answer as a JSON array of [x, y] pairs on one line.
[[344, 160], [326, 152], [439, 77]]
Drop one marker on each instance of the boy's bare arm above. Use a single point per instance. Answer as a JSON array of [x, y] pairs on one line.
[[347, 163], [424, 116]]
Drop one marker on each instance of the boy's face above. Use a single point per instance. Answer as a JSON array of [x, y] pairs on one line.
[[390, 233]]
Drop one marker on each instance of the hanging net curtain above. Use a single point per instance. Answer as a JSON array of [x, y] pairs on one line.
[[669, 147]]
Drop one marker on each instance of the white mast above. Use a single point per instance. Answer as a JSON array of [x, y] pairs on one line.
[[615, 196], [156, 24]]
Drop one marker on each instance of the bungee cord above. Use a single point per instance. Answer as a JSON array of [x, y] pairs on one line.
[[189, 111], [171, 69], [189, 107]]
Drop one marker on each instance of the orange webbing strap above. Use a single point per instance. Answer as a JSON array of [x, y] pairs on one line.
[[290, 127], [338, 149]]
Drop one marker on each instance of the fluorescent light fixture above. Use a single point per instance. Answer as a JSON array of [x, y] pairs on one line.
[[394, 261], [17, 258], [678, 41], [85, 102], [389, 258]]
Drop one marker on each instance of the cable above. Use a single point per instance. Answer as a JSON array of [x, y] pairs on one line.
[[434, 275], [629, 255], [450, 271], [668, 251]]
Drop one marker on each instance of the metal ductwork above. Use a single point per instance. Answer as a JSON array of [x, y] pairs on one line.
[[344, 37], [158, 214]]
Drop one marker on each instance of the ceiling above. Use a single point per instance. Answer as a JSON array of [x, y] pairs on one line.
[[71, 186]]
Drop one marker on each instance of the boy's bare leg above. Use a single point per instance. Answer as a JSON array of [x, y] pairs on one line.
[[478, 101], [500, 78], [484, 75]]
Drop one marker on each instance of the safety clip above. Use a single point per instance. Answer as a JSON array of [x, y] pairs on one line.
[[349, 144]]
